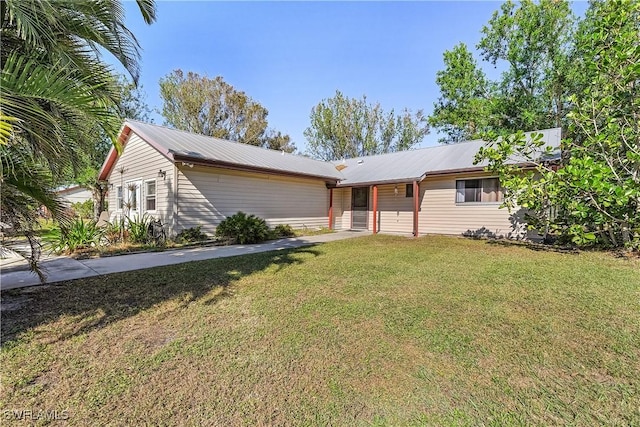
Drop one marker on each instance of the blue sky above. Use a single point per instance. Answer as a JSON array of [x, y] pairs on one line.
[[290, 55]]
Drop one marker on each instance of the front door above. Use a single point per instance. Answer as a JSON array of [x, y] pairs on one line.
[[359, 207], [132, 199]]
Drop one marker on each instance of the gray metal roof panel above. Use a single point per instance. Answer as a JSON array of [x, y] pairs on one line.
[[415, 164], [205, 148], [392, 167]]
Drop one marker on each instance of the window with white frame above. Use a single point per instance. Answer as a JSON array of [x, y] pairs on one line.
[[481, 190], [119, 198], [150, 195]]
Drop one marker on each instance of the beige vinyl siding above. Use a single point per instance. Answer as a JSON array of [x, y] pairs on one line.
[[140, 161], [440, 214], [346, 208], [395, 212], [338, 210], [208, 195], [370, 211]]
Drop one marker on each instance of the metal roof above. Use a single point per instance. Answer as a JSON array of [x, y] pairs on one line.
[[181, 145], [405, 166]]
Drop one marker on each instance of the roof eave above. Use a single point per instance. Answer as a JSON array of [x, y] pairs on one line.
[[524, 165], [235, 166], [380, 182], [112, 156], [123, 137]]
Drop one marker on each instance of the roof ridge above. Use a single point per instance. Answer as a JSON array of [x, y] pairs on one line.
[[411, 150]]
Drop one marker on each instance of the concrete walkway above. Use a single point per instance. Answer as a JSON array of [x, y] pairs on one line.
[[57, 269]]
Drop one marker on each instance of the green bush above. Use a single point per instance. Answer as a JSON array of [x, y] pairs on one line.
[[83, 209], [242, 228], [79, 234], [115, 232], [139, 229], [193, 234], [283, 230]]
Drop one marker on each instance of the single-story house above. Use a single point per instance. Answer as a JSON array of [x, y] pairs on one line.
[[74, 194], [187, 180]]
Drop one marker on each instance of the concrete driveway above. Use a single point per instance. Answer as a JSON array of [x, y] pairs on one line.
[[58, 269]]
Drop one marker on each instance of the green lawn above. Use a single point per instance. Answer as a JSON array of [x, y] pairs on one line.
[[379, 330]]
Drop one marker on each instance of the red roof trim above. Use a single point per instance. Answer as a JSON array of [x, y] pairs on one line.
[[123, 138], [105, 170]]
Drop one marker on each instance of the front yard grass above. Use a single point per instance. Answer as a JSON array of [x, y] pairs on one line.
[[378, 330]]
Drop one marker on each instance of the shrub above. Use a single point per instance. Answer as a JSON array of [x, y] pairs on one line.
[[192, 234], [79, 234], [83, 209], [242, 228], [115, 232], [139, 228], [283, 230]]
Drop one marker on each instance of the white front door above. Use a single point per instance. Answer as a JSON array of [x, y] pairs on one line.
[[132, 199]]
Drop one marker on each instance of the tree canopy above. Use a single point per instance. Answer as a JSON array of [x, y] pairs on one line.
[[213, 107], [343, 127], [463, 109], [592, 194], [533, 42]]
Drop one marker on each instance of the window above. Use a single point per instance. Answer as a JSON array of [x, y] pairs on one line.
[[150, 195], [485, 190], [408, 192], [119, 197]]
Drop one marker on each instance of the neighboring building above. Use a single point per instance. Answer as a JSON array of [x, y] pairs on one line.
[[188, 180], [74, 194]]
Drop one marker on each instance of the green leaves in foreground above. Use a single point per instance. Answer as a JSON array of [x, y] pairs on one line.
[[589, 194], [78, 234], [57, 95]]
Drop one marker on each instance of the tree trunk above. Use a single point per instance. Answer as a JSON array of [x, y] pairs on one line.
[[99, 193], [626, 235]]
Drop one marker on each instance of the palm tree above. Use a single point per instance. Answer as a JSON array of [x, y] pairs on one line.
[[56, 93]]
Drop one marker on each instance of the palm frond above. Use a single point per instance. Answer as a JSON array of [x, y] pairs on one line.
[[6, 128], [148, 10], [50, 102]]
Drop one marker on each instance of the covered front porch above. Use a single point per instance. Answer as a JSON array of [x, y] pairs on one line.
[[387, 208]]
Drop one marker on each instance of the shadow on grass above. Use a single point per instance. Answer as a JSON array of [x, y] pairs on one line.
[[538, 247], [96, 302]]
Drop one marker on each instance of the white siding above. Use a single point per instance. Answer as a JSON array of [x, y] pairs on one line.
[[140, 161], [440, 214], [207, 195], [77, 195]]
